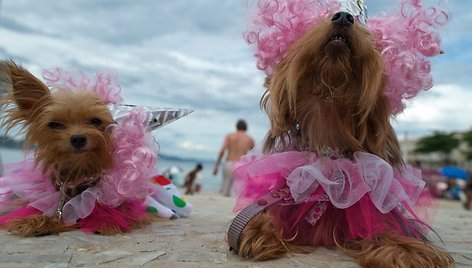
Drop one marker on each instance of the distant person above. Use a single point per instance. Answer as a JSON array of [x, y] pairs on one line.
[[468, 195], [191, 178], [236, 144]]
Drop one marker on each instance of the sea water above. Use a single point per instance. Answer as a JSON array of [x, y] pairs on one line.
[[208, 182]]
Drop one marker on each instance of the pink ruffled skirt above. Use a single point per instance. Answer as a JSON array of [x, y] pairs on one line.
[[333, 199], [25, 191]]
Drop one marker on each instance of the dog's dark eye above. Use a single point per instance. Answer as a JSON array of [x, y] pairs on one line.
[[55, 125], [96, 122]]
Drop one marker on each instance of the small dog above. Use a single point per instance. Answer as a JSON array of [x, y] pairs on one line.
[[89, 172], [328, 113], [69, 132]]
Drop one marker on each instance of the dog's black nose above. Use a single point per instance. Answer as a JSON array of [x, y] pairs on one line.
[[342, 19], [78, 141]]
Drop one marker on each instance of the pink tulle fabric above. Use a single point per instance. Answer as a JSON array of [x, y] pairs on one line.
[[344, 181], [406, 37], [130, 179], [22, 183], [320, 223], [366, 191], [104, 84], [123, 217], [19, 213]]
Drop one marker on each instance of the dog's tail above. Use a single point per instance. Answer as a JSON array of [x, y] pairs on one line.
[[392, 250]]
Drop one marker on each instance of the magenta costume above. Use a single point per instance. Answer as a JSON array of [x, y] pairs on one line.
[[364, 195]]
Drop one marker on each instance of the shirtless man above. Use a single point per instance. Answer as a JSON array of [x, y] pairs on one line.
[[237, 144]]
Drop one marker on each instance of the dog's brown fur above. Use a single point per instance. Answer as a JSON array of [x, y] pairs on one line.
[[38, 225], [330, 94], [335, 95], [49, 119]]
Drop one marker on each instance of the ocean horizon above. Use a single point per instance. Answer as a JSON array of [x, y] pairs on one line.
[[208, 182]]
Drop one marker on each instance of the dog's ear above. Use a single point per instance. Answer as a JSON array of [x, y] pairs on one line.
[[374, 127], [275, 102], [26, 90], [373, 83], [6, 86]]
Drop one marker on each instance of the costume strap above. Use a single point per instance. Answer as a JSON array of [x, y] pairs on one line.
[[246, 215]]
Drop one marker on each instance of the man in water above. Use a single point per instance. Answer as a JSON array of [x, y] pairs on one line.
[[237, 144]]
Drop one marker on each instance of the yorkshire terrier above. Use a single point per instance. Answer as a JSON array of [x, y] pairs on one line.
[[326, 97], [72, 133]]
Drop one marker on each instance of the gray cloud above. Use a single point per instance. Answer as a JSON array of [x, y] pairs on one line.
[[191, 54]]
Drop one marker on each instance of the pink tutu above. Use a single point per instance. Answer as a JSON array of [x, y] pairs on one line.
[[25, 183], [333, 198]]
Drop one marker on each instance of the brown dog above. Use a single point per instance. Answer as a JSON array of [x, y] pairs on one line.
[[326, 97], [71, 133]]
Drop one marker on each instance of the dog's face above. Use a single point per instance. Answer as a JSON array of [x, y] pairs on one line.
[[328, 91], [69, 129], [71, 135]]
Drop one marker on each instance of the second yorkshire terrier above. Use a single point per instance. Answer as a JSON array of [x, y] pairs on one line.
[[329, 151], [89, 172], [71, 134]]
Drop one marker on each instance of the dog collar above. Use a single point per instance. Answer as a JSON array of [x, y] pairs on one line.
[[63, 187], [246, 215]]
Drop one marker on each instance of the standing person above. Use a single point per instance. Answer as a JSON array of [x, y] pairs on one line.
[[191, 177], [468, 196], [468, 193], [236, 144]]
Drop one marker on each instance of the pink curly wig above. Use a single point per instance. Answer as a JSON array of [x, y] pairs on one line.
[[104, 84], [135, 162], [406, 37], [133, 152]]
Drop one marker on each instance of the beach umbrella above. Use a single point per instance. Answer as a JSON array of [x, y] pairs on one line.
[[454, 172]]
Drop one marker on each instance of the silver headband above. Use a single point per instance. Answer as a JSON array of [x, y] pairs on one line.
[[156, 117], [357, 8]]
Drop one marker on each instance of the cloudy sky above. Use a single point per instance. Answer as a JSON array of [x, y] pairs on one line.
[[191, 54]]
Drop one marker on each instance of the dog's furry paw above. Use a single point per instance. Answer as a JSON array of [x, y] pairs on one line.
[[261, 241], [35, 226], [390, 250], [110, 230]]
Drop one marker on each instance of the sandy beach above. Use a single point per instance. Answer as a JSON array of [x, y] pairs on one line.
[[197, 241]]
